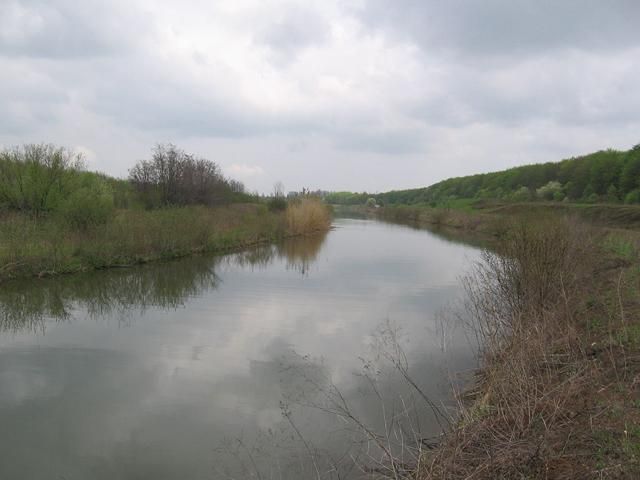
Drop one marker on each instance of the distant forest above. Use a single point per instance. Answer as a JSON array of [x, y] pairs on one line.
[[609, 176]]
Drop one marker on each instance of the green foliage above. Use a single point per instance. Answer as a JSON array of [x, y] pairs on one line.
[[49, 245], [36, 178], [589, 178], [347, 198], [371, 202], [521, 195], [277, 204], [633, 196], [90, 202], [44, 179], [549, 191]]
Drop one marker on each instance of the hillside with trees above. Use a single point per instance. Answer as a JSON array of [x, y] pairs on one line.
[[607, 176]]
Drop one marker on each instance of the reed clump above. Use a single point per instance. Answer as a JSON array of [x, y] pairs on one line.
[[307, 216], [554, 396]]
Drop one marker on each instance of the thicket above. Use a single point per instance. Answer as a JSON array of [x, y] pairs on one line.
[[608, 176], [44, 180], [57, 217], [174, 177]]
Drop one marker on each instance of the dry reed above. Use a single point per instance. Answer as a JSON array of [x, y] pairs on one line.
[[531, 414], [307, 216]]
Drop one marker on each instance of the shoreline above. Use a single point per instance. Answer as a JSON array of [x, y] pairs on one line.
[[560, 288], [37, 248]]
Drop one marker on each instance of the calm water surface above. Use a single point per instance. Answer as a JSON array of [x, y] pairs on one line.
[[252, 365]]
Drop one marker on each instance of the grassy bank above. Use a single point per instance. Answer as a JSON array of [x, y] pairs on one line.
[[48, 245], [558, 393], [488, 217]]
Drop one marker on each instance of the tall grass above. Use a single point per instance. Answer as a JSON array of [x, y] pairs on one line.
[[436, 217], [535, 409], [46, 245], [307, 215], [49, 245]]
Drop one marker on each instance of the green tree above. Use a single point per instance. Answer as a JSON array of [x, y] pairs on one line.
[[632, 197], [547, 192], [35, 177], [523, 194], [630, 176], [89, 203]]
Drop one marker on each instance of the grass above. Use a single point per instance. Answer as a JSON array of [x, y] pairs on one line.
[[307, 215], [488, 217], [31, 246], [556, 308], [463, 218]]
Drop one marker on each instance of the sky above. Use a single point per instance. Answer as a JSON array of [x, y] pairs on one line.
[[332, 94]]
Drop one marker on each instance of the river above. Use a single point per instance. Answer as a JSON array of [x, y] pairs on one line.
[[292, 361]]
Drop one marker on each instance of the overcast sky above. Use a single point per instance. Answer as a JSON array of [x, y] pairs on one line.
[[333, 94]]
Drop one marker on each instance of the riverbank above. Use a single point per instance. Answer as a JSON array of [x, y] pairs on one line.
[[556, 309], [44, 246], [488, 217], [555, 304]]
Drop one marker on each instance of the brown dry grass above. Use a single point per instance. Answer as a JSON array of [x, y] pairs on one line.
[[440, 217], [558, 394], [307, 216]]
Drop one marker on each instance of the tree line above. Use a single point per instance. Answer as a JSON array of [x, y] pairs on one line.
[[610, 176], [43, 179]]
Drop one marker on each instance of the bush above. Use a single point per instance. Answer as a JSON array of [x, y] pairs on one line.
[[174, 177], [36, 178], [548, 191], [632, 197], [87, 207], [593, 198], [306, 216], [277, 204], [523, 194]]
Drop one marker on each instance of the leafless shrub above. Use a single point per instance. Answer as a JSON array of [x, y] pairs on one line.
[[174, 177], [522, 300]]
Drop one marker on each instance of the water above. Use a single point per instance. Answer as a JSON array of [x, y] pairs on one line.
[[273, 363]]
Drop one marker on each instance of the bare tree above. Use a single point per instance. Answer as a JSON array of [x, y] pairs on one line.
[[278, 189], [174, 177]]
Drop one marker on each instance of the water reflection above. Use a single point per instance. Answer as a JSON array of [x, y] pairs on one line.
[[232, 366], [299, 253], [125, 293]]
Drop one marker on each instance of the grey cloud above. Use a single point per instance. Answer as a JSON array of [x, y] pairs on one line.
[[29, 99], [567, 89], [508, 27], [172, 108], [297, 29], [85, 72], [379, 140], [65, 28]]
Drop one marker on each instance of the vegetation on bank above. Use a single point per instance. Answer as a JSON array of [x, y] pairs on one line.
[[607, 176], [56, 217], [556, 310], [488, 217]]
